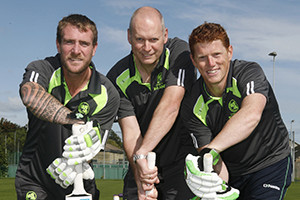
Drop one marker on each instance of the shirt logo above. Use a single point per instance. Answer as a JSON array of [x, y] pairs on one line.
[[233, 106], [159, 83], [31, 195], [84, 108]]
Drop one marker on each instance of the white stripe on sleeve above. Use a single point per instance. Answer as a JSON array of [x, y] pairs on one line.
[[250, 88], [34, 77], [182, 79], [181, 76]]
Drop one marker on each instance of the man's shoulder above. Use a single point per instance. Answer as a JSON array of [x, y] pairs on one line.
[[195, 91], [121, 66], [47, 65], [242, 68], [178, 49], [175, 43], [54, 61], [244, 65]]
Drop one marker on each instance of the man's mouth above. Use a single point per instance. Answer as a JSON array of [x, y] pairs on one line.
[[212, 71]]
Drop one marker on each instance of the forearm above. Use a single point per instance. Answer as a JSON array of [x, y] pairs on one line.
[[43, 105], [241, 125], [161, 123], [163, 118], [132, 138]]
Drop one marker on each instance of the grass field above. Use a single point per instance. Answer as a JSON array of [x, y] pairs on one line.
[[107, 188], [110, 187]]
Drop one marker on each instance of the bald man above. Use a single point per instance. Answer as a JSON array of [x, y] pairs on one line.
[[152, 81]]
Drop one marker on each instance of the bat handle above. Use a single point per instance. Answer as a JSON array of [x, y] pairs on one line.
[[151, 157], [208, 162]]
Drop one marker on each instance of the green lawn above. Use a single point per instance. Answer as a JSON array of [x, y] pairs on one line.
[[293, 191], [110, 187], [107, 188]]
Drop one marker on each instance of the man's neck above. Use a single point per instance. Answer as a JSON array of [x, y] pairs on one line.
[[145, 71], [215, 90], [76, 82]]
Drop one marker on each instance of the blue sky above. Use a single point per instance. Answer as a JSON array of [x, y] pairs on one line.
[[256, 28]]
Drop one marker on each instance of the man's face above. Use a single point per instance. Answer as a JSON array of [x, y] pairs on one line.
[[76, 49], [212, 60], [147, 40]]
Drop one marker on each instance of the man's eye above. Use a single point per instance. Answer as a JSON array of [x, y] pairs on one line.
[[217, 54], [84, 44], [68, 42]]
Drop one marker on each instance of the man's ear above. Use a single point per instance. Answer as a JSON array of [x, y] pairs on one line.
[[230, 52], [192, 58], [166, 36], [129, 36], [58, 46]]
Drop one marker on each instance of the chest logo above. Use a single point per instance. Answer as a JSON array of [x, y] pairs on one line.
[[31, 195], [159, 83], [84, 108], [233, 106]]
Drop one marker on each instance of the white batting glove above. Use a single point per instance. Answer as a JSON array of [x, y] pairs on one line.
[[203, 184], [83, 147], [64, 174]]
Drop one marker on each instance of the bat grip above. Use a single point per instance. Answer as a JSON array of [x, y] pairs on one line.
[[208, 162], [151, 157]]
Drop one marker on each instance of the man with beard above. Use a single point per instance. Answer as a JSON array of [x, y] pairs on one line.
[[58, 92]]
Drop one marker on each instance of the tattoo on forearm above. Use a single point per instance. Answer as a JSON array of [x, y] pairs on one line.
[[43, 105]]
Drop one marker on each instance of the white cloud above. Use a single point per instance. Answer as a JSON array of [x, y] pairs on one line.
[[11, 104], [253, 32], [12, 109], [115, 37]]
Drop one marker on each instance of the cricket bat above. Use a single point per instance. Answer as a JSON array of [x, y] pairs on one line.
[[151, 157], [207, 165], [79, 192]]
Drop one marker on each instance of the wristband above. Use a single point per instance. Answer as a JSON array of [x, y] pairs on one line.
[[137, 157]]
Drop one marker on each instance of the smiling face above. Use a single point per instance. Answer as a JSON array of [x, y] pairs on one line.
[[212, 60], [147, 37], [76, 49]]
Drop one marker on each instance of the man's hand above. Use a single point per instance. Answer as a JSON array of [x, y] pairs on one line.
[[206, 184], [83, 147], [64, 174], [203, 184]]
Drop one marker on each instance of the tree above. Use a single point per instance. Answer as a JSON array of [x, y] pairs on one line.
[[12, 139], [114, 139]]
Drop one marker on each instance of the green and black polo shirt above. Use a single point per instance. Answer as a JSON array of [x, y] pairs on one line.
[[99, 100], [141, 99], [205, 116]]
